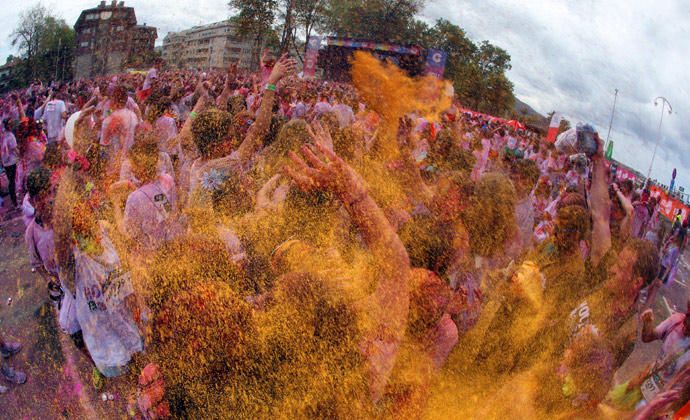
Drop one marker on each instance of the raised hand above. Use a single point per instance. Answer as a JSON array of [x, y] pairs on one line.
[[322, 169], [647, 316], [283, 67], [320, 135]]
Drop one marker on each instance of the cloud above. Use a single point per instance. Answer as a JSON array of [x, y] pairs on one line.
[[570, 56], [566, 55]]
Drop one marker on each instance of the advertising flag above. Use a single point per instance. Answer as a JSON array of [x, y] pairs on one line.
[[436, 62], [553, 127], [609, 151], [312, 56], [673, 181]]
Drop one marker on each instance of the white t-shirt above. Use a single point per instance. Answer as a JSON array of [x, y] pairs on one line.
[[52, 115]]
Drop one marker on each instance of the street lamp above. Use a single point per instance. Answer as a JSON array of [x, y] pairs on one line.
[[664, 102], [613, 110]]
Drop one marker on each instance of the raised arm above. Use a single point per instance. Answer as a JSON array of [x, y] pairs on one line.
[[20, 107], [222, 100], [626, 223], [38, 114], [649, 334], [258, 130], [601, 207], [184, 138], [387, 307]]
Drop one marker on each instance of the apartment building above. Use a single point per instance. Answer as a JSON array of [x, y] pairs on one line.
[[109, 40], [212, 46]]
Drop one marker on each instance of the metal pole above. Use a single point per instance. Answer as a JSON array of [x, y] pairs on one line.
[[57, 58], [613, 110], [664, 102]]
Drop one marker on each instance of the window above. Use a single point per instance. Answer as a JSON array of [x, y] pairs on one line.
[[84, 44]]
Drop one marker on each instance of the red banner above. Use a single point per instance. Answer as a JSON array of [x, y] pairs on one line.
[[553, 127], [623, 174], [668, 206]]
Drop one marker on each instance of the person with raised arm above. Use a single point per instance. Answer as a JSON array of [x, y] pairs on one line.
[[387, 307], [222, 100]]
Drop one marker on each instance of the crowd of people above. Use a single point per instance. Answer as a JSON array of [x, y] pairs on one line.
[[262, 245]]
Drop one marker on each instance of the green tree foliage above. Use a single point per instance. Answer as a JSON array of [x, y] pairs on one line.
[[477, 71], [310, 15], [256, 19], [372, 19], [46, 45]]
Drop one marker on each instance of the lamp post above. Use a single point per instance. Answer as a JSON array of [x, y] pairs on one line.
[[613, 110], [664, 102]]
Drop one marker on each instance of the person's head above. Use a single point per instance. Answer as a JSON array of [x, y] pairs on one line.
[[627, 187], [41, 192], [429, 297], [209, 129], [144, 156], [490, 215], [636, 267], [291, 137], [119, 97], [572, 224], [572, 199], [320, 306], [236, 104], [450, 199], [524, 174], [270, 62], [157, 107]]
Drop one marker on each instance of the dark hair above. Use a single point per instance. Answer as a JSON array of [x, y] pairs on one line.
[[119, 96], [646, 259], [573, 218], [526, 170], [144, 156], [38, 181], [210, 128]]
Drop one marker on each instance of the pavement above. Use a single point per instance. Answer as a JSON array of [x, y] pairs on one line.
[[59, 376], [670, 298]]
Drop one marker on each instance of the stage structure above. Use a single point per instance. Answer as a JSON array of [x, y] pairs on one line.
[[335, 57]]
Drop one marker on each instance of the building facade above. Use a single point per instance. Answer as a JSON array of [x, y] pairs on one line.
[[212, 46], [109, 40]]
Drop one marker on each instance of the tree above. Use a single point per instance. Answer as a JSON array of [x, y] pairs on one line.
[[256, 19], [309, 15], [46, 45], [56, 51], [497, 94], [387, 20], [492, 59], [477, 71], [28, 34]]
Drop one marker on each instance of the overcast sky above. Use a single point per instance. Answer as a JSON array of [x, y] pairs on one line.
[[567, 55]]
